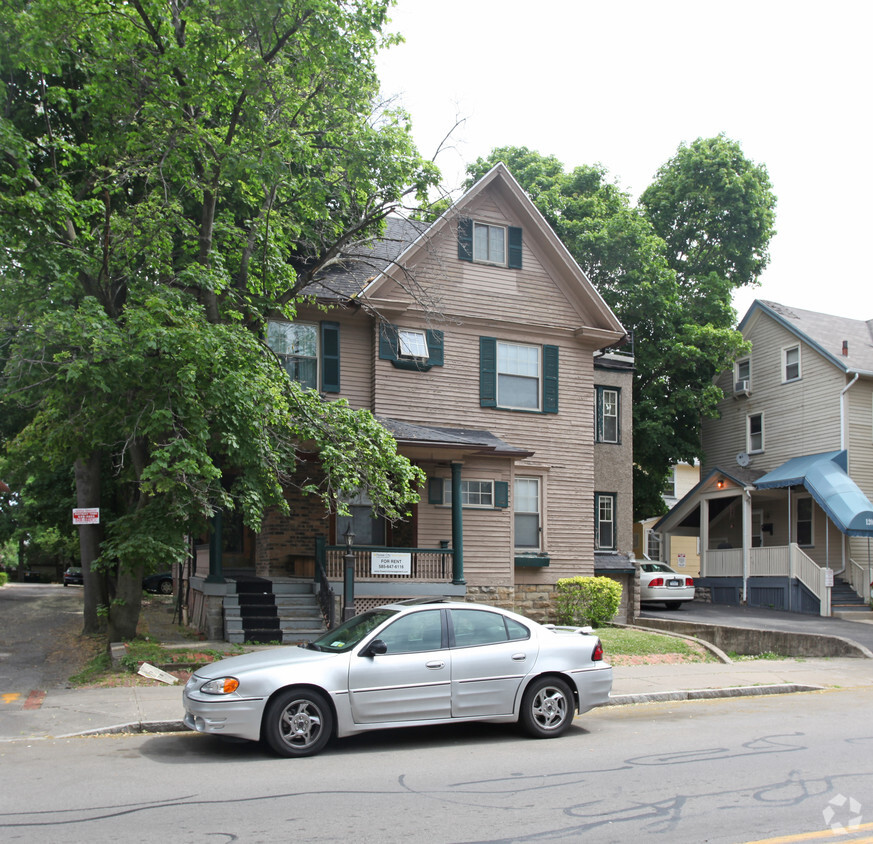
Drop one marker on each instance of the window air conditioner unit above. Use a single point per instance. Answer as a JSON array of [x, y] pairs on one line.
[[741, 388]]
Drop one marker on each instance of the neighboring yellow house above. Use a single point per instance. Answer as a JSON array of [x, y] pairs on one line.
[[684, 550]]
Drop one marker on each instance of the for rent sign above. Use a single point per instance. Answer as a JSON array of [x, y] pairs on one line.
[[86, 516], [390, 562]]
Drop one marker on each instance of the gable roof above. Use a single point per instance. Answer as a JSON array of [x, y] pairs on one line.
[[367, 270], [823, 332]]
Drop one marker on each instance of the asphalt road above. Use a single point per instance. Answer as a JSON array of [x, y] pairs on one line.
[[40, 643], [720, 771]]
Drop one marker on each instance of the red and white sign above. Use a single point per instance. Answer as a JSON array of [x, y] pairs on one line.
[[86, 516]]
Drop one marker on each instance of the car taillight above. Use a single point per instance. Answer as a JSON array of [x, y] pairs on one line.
[[656, 581], [689, 581], [597, 654]]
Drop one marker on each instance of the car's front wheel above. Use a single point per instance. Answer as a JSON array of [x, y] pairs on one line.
[[547, 708], [298, 722]]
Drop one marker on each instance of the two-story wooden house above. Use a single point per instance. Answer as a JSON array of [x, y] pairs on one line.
[[783, 509], [473, 341]]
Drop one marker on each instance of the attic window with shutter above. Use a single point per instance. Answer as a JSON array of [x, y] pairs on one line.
[[484, 243], [411, 348]]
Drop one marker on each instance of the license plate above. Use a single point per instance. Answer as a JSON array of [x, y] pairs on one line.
[[674, 583]]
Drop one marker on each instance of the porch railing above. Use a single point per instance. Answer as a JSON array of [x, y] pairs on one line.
[[858, 577], [781, 561], [427, 564]]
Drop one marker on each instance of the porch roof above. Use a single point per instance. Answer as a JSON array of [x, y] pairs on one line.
[[826, 478], [468, 440]]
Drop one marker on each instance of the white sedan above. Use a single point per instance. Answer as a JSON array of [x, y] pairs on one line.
[[658, 582], [411, 663]]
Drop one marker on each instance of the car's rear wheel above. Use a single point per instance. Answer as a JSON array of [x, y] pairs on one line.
[[166, 587], [673, 605], [547, 708], [298, 722]]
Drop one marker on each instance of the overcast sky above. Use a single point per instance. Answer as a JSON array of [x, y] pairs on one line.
[[624, 82]]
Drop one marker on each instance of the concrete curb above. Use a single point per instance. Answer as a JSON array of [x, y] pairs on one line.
[[707, 694], [137, 727]]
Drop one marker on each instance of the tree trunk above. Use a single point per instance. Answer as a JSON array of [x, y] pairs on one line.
[[88, 495], [125, 608]]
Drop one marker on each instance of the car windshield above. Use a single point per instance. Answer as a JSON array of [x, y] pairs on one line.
[[350, 632]]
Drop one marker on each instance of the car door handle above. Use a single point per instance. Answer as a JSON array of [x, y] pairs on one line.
[[519, 657], [435, 664]]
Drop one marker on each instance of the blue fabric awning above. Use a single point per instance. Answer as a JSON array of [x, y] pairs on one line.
[[828, 482]]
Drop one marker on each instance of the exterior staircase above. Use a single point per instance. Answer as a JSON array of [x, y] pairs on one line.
[[847, 603], [282, 611]]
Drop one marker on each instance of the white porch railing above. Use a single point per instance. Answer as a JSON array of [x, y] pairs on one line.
[[780, 561], [857, 575]]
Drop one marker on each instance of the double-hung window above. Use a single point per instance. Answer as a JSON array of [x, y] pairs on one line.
[[309, 352], [412, 344], [791, 363], [604, 514], [607, 423], [526, 513], [296, 345], [518, 376], [487, 243], [803, 521], [755, 432]]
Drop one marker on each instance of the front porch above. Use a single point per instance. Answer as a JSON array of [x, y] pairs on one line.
[[777, 542]]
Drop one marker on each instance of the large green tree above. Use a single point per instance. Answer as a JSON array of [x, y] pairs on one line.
[[681, 323], [173, 172]]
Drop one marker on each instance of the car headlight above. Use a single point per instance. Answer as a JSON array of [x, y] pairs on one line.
[[221, 686]]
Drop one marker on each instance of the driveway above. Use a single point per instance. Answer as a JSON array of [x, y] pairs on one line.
[[761, 619], [40, 638]]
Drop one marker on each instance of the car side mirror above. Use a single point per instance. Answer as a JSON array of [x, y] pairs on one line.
[[376, 648]]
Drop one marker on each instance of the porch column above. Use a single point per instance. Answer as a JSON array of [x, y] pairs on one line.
[[457, 528], [704, 537], [216, 573]]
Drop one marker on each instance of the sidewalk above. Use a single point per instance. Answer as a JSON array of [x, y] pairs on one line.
[[65, 713]]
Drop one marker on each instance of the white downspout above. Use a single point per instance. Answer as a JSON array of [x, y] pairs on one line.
[[843, 410], [843, 448]]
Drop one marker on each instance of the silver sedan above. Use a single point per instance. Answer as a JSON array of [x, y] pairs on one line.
[[412, 663]]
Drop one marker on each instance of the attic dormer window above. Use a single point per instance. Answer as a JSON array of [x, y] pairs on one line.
[[486, 243]]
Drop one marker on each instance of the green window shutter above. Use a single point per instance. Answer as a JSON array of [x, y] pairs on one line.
[[330, 357], [435, 347], [550, 379], [465, 239], [598, 418], [434, 490], [514, 248], [501, 494], [388, 341], [488, 372]]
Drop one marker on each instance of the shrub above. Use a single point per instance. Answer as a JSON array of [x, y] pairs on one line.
[[587, 600], [3, 578]]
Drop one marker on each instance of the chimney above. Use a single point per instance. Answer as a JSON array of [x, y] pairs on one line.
[[845, 348]]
